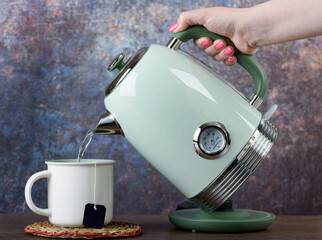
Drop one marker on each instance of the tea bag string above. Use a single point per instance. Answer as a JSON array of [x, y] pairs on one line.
[[95, 186]]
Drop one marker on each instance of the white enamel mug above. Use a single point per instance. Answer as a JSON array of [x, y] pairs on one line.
[[72, 185]]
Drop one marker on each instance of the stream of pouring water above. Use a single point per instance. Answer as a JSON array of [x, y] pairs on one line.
[[87, 140]]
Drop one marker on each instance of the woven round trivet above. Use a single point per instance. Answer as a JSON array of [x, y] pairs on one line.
[[111, 230]]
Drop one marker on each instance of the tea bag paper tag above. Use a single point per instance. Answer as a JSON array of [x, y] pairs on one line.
[[94, 215]]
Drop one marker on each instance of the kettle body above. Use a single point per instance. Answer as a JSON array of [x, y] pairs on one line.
[[195, 128], [162, 102]]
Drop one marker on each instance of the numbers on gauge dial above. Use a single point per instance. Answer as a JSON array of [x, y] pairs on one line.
[[212, 140]]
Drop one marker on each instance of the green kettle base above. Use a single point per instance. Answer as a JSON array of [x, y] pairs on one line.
[[235, 221]]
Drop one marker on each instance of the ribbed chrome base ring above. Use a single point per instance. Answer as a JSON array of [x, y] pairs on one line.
[[239, 170]]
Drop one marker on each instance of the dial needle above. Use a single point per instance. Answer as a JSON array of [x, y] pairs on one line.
[[216, 145]]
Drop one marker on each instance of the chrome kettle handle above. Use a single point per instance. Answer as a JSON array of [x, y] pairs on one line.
[[248, 62]]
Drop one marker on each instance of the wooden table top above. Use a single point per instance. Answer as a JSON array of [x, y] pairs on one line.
[[159, 227]]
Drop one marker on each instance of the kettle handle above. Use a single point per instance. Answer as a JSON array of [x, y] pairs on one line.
[[248, 62]]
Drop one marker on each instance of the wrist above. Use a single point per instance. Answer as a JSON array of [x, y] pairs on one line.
[[246, 37]]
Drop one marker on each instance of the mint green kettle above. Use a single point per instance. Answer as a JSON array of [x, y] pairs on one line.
[[202, 134]]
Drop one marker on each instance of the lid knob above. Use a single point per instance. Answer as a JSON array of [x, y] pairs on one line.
[[117, 63]]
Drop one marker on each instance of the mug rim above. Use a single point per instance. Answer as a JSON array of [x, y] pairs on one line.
[[83, 162]]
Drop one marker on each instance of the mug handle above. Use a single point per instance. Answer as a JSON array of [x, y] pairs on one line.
[[41, 211], [248, 62]]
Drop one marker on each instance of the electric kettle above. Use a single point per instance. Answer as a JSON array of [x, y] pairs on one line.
[[195, 128]]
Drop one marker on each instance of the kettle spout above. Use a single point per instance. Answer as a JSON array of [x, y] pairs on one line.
[[107, 125]]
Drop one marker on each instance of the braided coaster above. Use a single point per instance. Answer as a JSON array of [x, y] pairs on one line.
[[111, 230]]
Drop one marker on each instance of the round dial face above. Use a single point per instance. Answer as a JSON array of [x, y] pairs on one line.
[[212, 140]]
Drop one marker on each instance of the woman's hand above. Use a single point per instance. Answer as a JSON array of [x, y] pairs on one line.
[[264, 24], [219, 20]]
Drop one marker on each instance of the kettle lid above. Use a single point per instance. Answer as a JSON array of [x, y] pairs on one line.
[[123, 67]]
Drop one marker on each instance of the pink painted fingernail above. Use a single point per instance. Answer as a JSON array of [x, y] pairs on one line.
[[205, 43], [220, 45], [173, 27], [230, 59], [228, 51]]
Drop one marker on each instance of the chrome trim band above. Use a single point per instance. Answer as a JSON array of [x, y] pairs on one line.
[[174, 43], [255, 101], [239, 170]]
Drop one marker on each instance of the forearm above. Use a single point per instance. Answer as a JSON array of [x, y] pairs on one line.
[[281, 21]]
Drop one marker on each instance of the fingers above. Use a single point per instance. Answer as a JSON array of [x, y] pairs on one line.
[[203, 43], [230, 61], [186, 19], [217, 49]]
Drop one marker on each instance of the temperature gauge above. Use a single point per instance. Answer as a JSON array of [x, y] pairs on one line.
[[211, 140]]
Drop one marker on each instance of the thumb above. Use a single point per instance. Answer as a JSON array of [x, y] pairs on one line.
[[189, 18]]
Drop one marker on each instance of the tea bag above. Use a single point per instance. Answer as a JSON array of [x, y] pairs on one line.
[[94, 214]]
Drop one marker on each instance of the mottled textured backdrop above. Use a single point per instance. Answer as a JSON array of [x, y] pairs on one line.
[[53, 59]]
